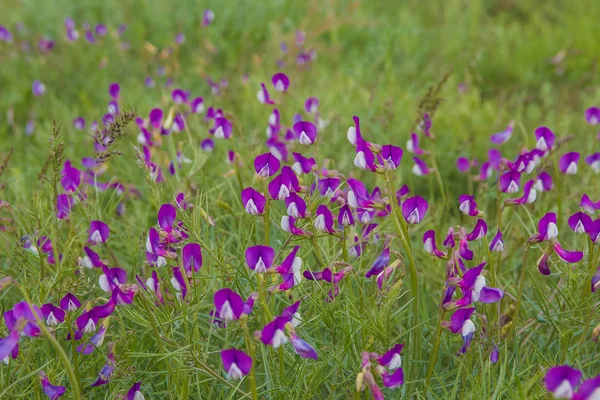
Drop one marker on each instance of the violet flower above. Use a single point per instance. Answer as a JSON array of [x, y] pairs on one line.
[[38, 88], [529, 195], [580, 222], [236, 363], [134, 392], [588, 205], [380, 262], [266, 165], [568, 163], [260, 258], [281, 82], [273, 334], [98, 232], [510, 182], [107, 370], [296, 206], [420, 168], [324, 219], [414, 209], [562, 381], [497, 244], [303, 164], [52, 391], [302, 348], [504, 136], [544, 138], [390, 156], [253, 201], [228, 304], [191, 256], [430, 246], [53, 315], [306, 132]]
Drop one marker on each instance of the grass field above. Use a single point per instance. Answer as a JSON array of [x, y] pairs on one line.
[[472, 66]]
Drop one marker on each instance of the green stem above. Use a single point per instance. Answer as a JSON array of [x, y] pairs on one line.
[[250, 348], [61, 352], [520, 293], [402, 230], [266, 214]]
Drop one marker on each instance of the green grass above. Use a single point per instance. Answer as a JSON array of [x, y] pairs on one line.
[[377, 60]]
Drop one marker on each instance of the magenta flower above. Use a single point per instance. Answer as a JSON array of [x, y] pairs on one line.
[[281, 82], [547, 229], [98, 232], [222, 129], [345, 217], [414, 209], [179, 96], [543, 182], [52, 314], [288, 224], [510, 182], [412, 144], [263, 95], [380, 262], [63, 206], [364, 159], [114, 90], [236, 363], [106, 371], [497, 244], [79, 123], [588, 205], [504, 136], [166, 217], [296, 206], [178, 283], [191, 256], [467, 205], [306, 132], [324, 219], [566, 255], [562, 381], [95, 342], [228, 304], [580, 222], [479, 231], [473, 285], [544, 138], [53, 392], [358, 195], [69, 302], [303, 164], [266, 165], [592, 115], [9, 345], [253, 201], [593, 160], [391, 359], [529, 194], [390, 156], [290, 272], [134, 392], [463, 164], [393, 380], [156, 117], [420, 168], [430, 246], [260, 258], [273, 334], [311, 105], [568, 163], [70, 178], [460, 322]]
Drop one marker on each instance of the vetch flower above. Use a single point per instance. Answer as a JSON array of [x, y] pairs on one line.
[[306, 132], [266, 165], [222, 128], [473, 285], [562, 381], [593, 160], [504, 136], [303, 164], [63, 206], [479, 231], [107, 370], [70, 302], [588, 205], [288, 224], [166, 217], [236, 363], [430, 246], [592, 115], [178, 283], [208, 17], [364, 159], [345, 217], [273, 334], [529, 194], [9, 346], [70, 178], [191, 256], [494, 354], [467, 205], [580, 222], [134, 392], [568, 163], [253, 201], [497, 244], [263, 95], [391, 359], [38, 88], [296, 206], [420, 168], [460, 322], [324, 219], [510, 181], [260, 258], [96, 340], [303, 349], [52, 391], [311, 105], [53, 314], [380, 262], [463, 164], [290, 270], [98, 232], [390, 156], [412, 144], [547, 229], [414, 209], [281, 82], [544, 138], [228, 304]]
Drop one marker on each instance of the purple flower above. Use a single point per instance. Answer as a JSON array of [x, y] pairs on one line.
[[391, 359], [547, 229], [497, 244], [414, 209], [95, 342], [5, 35], [394, 379], [412, 144], [543, 182], [324, 219], [592, 115], [479, 231], [588, 205], [53, 392], [473, 285], [589, 389], [69, 302], [9, 346], [38, 88], [296, 206], [510, 182], [52, 314], [529, 195], [236, 363], [91, 259], [430, 246], [197, 105], [494, 355], [390, 156], [207, 17], [463, 164], [593, 160], [562, 381], [260, 258], [380, 262], [191, 256], [179, 96], [580, 222], [420, 168], [467, 205], [253, 201], [207, 145], [63, 206], [101, 30], [223, 128], [288, 224], [544, 138], [504, 136], [107, 370], [281, 82], [273, 334], [166, 216], [134, 392], [79, 123], [566, 255], [568, 163], [345, 217], [306, 132], [364, 159], [114, 90], [328, 186], [303, 349], [263, 95], [70, 178], [311, 105], [266, 165], [98, 232], [303, 164], [178, 283]]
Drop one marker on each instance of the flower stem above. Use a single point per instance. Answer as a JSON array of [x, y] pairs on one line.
[[266, 214], [521, 285], [250, 348], [402, 230]]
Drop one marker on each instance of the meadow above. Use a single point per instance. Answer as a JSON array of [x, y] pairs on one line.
[[282, 200]]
